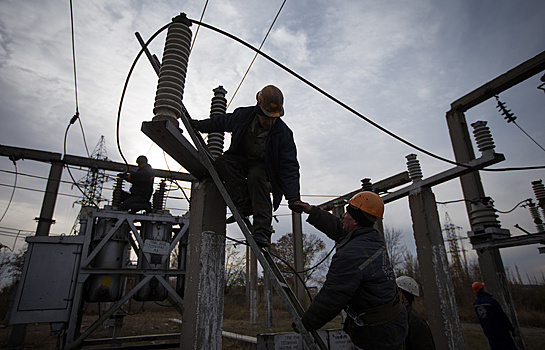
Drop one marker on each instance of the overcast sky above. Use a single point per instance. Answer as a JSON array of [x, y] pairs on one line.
[[399, 63]]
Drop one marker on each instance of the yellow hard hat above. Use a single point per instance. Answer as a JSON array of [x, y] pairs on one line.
[[271, 101], [368, 202]]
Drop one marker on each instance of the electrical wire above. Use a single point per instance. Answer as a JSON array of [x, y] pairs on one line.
[[12, 192], [197, 31], [142, 49], [515, 207], [345, 106], [255, 56], [75, 76], [68, 168]]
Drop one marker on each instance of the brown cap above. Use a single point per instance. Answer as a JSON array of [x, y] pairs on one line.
[[271, 101]]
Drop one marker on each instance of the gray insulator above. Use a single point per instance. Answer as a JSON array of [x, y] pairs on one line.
[[218, 106], [366, 185], [413, 165], [116, 196], [483, 215], [536, 216], [483, 137], [539, 192], [159, 197], [171, 83]]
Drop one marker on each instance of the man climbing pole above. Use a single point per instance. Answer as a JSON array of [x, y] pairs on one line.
[[360, 279], [262, 157]]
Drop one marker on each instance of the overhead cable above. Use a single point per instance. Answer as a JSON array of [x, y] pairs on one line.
[[12, 192], [255, 56]]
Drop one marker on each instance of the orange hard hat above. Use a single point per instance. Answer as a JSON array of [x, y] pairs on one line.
[[368, 202], [477, 286], [271, 101]]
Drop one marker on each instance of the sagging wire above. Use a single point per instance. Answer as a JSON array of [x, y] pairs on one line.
[[510, 117], [14, 160], [75, 76], [255, 56], [197, 31], [72, 121], [515, 207], [350, 109], [142, 49]]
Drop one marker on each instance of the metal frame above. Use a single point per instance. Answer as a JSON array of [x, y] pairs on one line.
[[74, 338]]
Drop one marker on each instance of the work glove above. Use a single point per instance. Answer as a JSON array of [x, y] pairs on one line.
[[124, 176], [293, 206], [194, 124]]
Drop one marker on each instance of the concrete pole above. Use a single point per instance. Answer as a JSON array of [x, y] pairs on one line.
[[50, 198], [490, 261], [204, 290], [297, 228], [439, 296]]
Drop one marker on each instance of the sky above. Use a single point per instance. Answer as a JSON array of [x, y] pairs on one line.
[[399, 63]]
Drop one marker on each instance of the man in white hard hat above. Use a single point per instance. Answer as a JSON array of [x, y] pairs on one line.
[[420, 336]]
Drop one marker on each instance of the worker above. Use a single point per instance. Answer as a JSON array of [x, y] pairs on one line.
[[142, 187], [360, 279], [262, 157], [420, 337], [494, 322]]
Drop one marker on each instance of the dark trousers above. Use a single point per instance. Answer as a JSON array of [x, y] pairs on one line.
[[133, 203], [249, 188]]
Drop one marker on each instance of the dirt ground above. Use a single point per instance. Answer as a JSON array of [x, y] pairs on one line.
[[167, 321]]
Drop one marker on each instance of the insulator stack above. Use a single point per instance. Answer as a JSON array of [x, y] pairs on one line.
[[536, 216], [482, 216], [116, 196], [483, 137], [413, 165], [170, 87], [366, 185], [219, 106], [539, 192], [159, 197]]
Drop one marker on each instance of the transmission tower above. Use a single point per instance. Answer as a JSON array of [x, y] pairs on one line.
[[94, 180], [454, 243]]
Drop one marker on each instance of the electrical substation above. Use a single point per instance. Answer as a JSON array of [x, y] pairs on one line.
[[93, 266]]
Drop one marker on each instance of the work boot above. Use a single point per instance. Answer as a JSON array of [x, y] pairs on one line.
[[263, 240], [245, 212]]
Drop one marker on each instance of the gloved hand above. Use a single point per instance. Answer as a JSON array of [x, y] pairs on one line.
[[294, 326], [293, 206], [124, 176], [194, 124]]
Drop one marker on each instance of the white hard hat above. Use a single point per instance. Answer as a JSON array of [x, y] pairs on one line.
[[408, 284]]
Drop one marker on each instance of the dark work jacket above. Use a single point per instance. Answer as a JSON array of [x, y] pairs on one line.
[[494, 321], [360, 275], [420, 337], [142, 182], [280, 151]]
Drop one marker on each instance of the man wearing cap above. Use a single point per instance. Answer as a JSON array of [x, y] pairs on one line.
[[360, 279], [262, 157], [420, 336], [141, 189], [494, 322]]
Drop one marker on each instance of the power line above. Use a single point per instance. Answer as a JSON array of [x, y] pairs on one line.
[[255, 56], [345, 106], [12, 192], [197, 31]]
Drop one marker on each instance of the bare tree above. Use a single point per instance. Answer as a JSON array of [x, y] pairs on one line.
[[395, 248], [235, 266], [313, 252]]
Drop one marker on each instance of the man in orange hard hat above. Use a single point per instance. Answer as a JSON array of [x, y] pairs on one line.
[[360, 279], [262, 157], [494, 322]]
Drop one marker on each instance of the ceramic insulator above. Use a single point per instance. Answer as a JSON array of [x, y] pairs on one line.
[[483, 137], [218, 106], [413, 165]]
